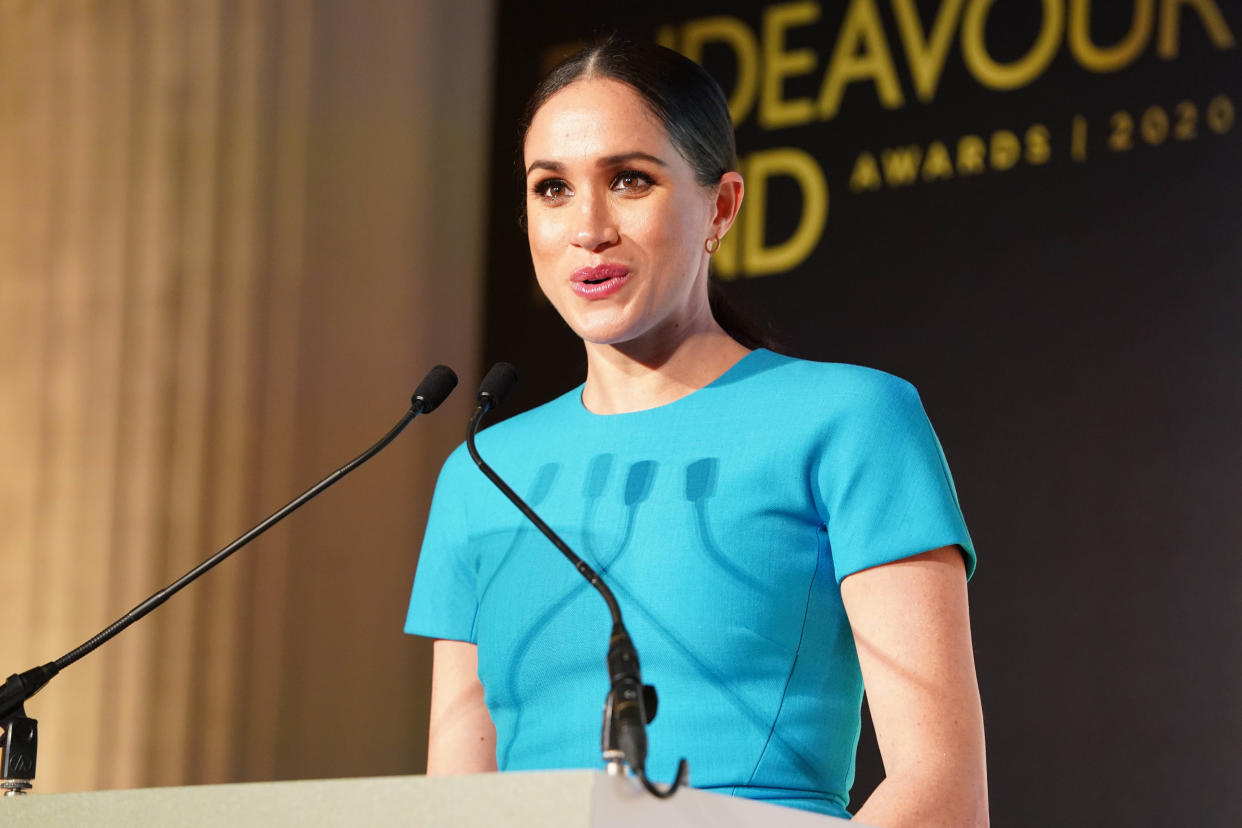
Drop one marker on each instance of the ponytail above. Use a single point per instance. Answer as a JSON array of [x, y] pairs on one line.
[[737, 324]]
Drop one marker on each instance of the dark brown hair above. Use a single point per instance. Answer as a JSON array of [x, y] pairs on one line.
[[685, 99], [689, 104]]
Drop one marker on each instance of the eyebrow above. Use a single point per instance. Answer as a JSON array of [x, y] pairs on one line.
[[606, 161]]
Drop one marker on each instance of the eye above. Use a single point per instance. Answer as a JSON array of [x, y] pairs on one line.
[[551, 189], [632, 181]]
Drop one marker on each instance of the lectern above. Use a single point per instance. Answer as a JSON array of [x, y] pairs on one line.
[[550, 799]]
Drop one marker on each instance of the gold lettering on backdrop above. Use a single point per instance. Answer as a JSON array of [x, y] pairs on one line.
[[1122, 136], [1038, 144], [757, 257], [926, 59], [1005, 150], [1185, 128], [1155, 126], [971, 152], [775, 112], [861, 53], [737, 36], [1169, 37], [901, 165], [1220, 114], [866, 174], [1078, 138], [936, 163], [1021, 71], [862, 50], [1111, 58]]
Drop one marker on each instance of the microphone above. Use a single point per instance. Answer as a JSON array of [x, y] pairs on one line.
[[434, 389], [630, 705], [20, 733], [497, 385]]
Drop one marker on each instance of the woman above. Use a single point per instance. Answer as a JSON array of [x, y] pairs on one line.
[[776, 531]]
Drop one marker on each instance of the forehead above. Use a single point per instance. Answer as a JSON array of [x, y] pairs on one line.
[[595, 117]]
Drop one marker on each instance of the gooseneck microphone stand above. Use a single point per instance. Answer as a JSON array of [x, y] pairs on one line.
[[20, 733], [630, 705]]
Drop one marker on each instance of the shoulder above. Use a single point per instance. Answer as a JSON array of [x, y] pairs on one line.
[[832, 385]]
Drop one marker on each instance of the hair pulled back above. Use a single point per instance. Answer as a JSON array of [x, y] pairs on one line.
[[685, 99], [687, 102]]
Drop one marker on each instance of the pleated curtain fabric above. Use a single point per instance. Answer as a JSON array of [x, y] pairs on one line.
[[222, 270]]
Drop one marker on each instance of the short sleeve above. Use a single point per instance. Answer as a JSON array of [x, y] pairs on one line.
[[444, 601], [885, 483]]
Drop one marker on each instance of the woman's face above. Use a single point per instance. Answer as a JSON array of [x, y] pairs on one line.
[[616, 219]]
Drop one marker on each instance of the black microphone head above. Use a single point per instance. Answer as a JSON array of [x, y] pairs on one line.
[[497, 384], [434, 389]]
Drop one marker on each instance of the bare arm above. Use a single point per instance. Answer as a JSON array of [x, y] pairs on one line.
[[912, 630], [462, 738]]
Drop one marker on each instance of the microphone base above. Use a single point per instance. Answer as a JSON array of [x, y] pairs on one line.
[[19, 748]]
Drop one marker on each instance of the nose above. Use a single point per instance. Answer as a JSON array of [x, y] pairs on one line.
[[596, 226]]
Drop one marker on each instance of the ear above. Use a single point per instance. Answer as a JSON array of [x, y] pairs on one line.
[[727, 202]]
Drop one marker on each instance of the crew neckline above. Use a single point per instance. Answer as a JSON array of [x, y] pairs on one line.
[[720, 380]]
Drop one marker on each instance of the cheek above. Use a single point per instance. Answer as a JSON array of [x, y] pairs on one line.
[[659, 229], [672, 236], [543, 237], [546, 252], [682, 222]]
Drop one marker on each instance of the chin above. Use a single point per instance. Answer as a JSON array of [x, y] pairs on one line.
[[596, 336], [607, 331]]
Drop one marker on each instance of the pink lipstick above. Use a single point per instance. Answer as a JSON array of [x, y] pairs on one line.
[[599, 281]]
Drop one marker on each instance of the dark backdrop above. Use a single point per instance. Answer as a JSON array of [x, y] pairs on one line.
[[1070, 313]]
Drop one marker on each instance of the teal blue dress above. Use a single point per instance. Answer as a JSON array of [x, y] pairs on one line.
[[724, 522]]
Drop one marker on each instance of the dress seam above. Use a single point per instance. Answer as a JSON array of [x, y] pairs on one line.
[[806, 610]]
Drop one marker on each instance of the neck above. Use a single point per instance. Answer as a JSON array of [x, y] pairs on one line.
[[634, 376]]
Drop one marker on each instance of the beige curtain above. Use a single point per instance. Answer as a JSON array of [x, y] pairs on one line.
[[233, 235]]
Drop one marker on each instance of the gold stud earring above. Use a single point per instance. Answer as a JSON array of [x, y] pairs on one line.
[[712, 244]]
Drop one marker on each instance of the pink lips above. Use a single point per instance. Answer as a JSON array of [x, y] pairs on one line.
[[599, 281]]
